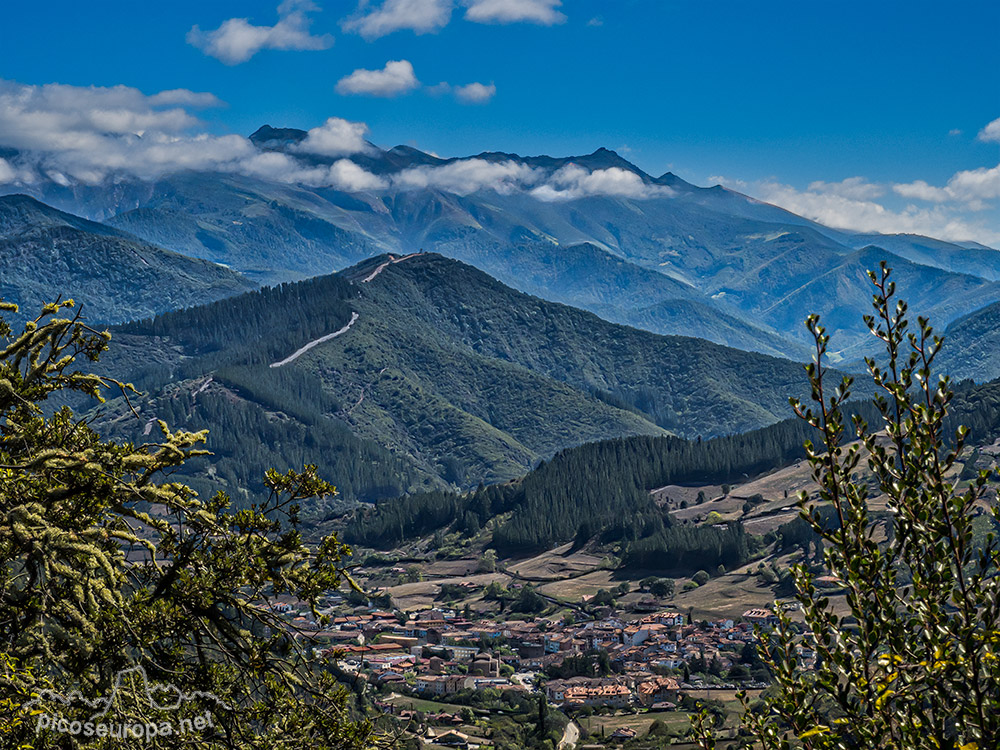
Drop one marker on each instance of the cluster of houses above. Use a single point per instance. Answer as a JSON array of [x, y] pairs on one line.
[[436, 653]]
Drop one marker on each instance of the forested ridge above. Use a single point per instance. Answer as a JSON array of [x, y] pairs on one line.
[[602, 490], [446, 379]]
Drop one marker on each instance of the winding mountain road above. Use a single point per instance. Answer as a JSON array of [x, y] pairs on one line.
[[354, 316], [316, 342], [385, 265]]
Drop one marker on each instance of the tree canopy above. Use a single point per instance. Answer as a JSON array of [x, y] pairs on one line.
[[107, 567]]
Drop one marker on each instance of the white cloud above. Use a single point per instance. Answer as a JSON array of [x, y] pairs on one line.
[[971, 187], [346, 175], [336, 137], [185, 98], [82, 133], [74, 134], [573, 181], [471, 93], [7, 172], [975, 185], [420, 16], [237, 40], [468, 176], [475, 93], [843, 212], [955, 132], [855, 188], [341, 175], [512, 11], [991, 132], [395, 78], [570, 182], [921, 191]]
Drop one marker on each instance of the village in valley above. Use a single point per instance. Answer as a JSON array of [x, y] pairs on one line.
[[618, 676]]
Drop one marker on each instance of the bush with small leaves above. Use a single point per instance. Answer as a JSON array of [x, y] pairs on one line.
[[914, 663]]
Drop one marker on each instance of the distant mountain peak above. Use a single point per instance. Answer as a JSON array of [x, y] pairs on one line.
[[274, 138], [19, 211], [409, 150]]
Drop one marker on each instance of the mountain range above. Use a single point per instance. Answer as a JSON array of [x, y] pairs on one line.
[[661, 253], [550, 313], [456, 376], [46, 253]]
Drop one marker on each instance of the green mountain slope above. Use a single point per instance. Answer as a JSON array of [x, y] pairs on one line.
[[460, 378], [45, 253]]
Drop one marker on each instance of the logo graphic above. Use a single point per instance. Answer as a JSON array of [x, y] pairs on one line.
[[96, 719]]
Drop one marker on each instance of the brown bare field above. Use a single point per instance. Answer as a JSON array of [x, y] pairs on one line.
[[575, 588], [556, 564], [421, 595], [729, 595]]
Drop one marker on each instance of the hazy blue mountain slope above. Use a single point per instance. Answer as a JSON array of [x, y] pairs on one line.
[[972, 346], [738, 257], [268, 231], [843, 293], [973, 261], [45, 254]]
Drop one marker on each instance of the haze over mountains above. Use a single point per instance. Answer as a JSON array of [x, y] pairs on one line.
[[45, 253], [593, 231], [409, 371]]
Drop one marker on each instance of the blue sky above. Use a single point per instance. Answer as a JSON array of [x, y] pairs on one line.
[[784, 101]]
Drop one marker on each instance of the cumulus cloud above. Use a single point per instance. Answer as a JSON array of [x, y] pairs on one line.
[[475, 93], [343, 174], [573, 181], [336, 137], [237, 40], [420, 16], [468, 176], [83, 133], [346, 175], [922, 191], [513, 11], [971, 187], [75, 134], [842, 212], [394, 79], [854, 188], [991, 132]]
